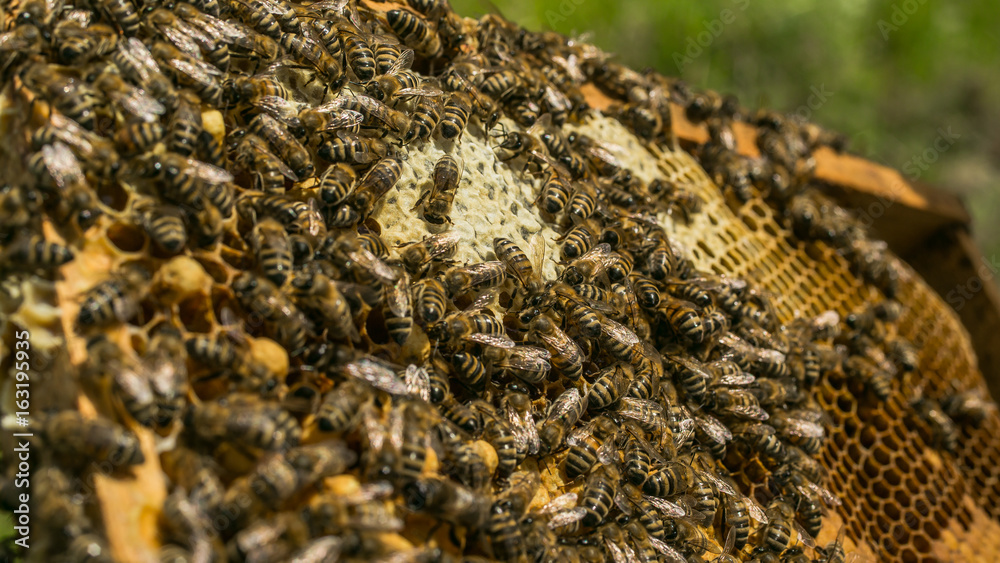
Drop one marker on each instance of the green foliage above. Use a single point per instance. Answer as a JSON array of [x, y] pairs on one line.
[[898, 69]]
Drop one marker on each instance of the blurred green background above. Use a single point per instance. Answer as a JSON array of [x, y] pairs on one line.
[[895, 74]]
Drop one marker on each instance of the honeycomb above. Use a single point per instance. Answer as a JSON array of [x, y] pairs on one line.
[[900, 495]]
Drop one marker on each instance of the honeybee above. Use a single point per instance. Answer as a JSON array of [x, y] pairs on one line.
[[341, 408], [70, 94], [944, 431], [74, 438], [205, 79], [516, 406], [245, 420], [479, 276], [375, 184], [567, 356], [256, 15], [32, 252], [274, 256], [448, 501], [481, 327], [968, 406], [261, 297], [455, 115], [425, 119], [77, 43], [562, 415], [114, 299], [375, 114], [598, 494], [253, 154], [310, 53], [125, 379], [358, 52], [418, 256], [447, 176], [291, 151], [589, 443], [875, 379], [415, 32], [518, 262]]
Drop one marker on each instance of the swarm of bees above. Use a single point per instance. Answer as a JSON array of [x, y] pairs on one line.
[[429, 410]]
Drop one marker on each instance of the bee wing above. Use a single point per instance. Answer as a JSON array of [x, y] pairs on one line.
[[715, 429], [608, 452], [753, 412], [198, 71], [618, 555], [61, 164], [495, 340], [135, 51], [720, 484], [619, 332], [14, 40], [424, 92], [166, 376], [276, 161], [525, 433], [667, 550], [418, 382], [670, 509], [739, 380], [369, 261], [823, 493], [563, 344], [368, 492], [70, 132], [375, 431], [330, 5], [685, 427], [564, 403], [278, 107], [272, 7], [134, 385], [377, 375], [81, 17], [647, 446], [221, 30], [485, 271], [566, 517], [344, 119], [403, 61], [756, 511], [528, 358], [139, 103], [442, 245], [208, 172], [181, 36], [804, 536], [556, 100], [399, 296], [804, 428], [641, 410]]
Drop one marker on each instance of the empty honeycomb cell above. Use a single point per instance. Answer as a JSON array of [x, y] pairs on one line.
[[706, 249], [868, 436], [903, 464], [196, 314], [902, 498], [892, 511], [908, 555], [881, 454], [901, 533], [750, 221], [881, 489], [846, 404], [921, 543], [931, 528], [941, 517], [214, 268], [893, 476], [890, 441], [890, 545], [871, 468], [126, 237], [113, 194]]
